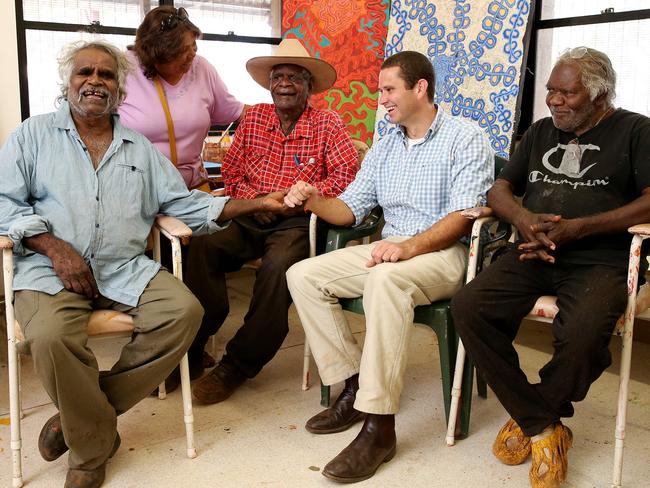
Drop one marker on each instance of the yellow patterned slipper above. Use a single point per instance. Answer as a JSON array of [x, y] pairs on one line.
[[511, 446], [550, 459]]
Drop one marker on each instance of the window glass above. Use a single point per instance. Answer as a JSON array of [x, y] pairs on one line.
[[121, 13], [557, 9], [259, 18], [229, 58], [626, 44], [43, 49]]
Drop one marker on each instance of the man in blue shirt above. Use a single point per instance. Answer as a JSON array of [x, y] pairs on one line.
[[423, 175], [79, 193]]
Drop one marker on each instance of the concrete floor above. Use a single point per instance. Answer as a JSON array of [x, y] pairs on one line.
[[257, 438]]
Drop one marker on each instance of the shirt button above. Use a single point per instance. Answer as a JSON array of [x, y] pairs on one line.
[[96, 226], [92, 255], [97, 198]]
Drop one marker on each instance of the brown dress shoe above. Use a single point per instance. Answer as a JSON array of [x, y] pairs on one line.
[[338, 417], [375, 444], [217, 386], [51, 443], [90, 478], [85, 478]]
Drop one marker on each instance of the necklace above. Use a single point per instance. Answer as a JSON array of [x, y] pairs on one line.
[[603, 116]]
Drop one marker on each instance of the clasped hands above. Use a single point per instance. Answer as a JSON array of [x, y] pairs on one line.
[[303, 194], [543, 234], [273, 205]]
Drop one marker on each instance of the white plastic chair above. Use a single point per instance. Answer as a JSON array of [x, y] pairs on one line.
[[545, 309], [105, 323]]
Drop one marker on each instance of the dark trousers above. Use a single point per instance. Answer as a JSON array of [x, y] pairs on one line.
[[487, 314], [266, 323]]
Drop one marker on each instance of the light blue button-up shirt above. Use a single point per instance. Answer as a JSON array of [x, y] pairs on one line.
[[450, 170], [48, 184]]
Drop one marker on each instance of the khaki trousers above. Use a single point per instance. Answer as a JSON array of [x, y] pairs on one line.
[[390, 293], [165, 319]]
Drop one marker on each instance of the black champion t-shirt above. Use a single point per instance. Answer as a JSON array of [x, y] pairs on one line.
[[613, 170]]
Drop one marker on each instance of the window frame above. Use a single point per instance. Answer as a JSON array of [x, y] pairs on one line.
[[528, 89], [22, 26]]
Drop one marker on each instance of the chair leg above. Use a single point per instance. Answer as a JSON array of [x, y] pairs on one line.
[[162, 391], [621, 412], [324, 395], [15, 413], [188, 415], [305, 366], [456, 394], [481, 386], [447, 350], [19, 367]]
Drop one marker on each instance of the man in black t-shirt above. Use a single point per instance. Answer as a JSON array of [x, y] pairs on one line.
[[584, 174]]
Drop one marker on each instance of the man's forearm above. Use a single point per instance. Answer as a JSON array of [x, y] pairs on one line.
[[441, 235], [43, 243], [236, 208], [617, 220], [502, 202], [332, 210]]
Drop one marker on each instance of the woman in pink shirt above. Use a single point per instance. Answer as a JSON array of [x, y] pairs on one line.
[[165, 52]]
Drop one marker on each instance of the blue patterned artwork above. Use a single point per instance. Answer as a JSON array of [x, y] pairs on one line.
[[477, 50]]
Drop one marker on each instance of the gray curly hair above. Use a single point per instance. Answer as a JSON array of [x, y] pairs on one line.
[[598, 75], [66, 64]]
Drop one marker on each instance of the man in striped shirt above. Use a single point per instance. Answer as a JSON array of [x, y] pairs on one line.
[[423, 174]]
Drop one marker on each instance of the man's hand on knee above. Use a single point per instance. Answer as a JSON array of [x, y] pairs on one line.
[[68, 264]]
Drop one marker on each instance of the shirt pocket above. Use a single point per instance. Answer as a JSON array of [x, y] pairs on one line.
[[309, 166], [134, 189]]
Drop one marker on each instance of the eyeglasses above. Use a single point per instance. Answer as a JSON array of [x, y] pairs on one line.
[[172, 20], [577, 52]]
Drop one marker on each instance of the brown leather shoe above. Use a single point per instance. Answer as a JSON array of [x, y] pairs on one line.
[[90, 478], [51, 443], [85, 478], [375, 444], [338, 417], [217, 386]]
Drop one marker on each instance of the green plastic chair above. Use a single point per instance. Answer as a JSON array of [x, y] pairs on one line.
[[437, 316]]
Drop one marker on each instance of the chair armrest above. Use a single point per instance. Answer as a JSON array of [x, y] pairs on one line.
[[172, 227], [477, 212], [6, 243], [338, 237], [640, 229]]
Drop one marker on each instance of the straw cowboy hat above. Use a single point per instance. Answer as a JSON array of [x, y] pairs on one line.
[[291, 51]]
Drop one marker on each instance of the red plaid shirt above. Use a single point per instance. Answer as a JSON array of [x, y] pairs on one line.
[[263, 160]]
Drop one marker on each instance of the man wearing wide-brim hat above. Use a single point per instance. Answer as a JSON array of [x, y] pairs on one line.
[[275, 146]]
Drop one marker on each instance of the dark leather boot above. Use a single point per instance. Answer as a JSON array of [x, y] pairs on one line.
[[375, 444], [51, 443], [339, 416], [218, 385]]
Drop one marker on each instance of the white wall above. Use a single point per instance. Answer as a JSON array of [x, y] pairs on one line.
[[10, 101]]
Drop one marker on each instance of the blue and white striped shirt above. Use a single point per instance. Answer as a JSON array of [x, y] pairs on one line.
[[48, 184], [450, 170]]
